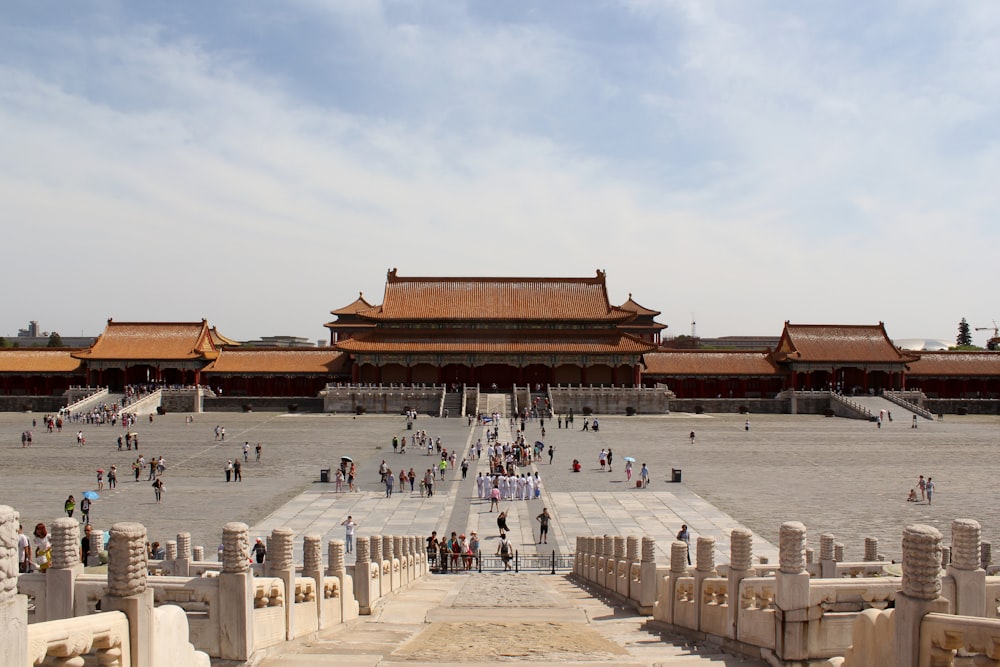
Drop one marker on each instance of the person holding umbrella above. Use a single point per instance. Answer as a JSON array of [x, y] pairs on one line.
[[88, 496]]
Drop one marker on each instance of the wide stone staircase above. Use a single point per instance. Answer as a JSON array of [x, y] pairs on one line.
[[876, 404], [479, 619], [452, 406]]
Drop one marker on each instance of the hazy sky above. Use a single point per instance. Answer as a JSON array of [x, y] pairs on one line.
[[260, 163]]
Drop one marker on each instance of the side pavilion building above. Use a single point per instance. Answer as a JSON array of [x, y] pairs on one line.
[[492, 331]]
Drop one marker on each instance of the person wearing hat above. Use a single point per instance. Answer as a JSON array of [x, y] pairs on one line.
[[473, 547], [463, 545], [259, 551]]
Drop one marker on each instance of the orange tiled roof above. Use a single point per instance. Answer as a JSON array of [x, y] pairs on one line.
[[862, 343], [38, 360], [956, 364], [709, 362], [221, 341], [287, 360], [637, 309], [354, 307], [153, 340], [518, 299], [409, 341]]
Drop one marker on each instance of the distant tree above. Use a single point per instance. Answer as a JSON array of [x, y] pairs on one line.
[[55, 340], [964, 334], [3, 342]]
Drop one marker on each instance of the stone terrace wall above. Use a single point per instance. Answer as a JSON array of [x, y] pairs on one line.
[[262, 404], [32, 403], [610, 400], [951, 406], [769, 406], [383, 400]]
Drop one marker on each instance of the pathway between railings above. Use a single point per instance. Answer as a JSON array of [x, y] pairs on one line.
[[478, 619]]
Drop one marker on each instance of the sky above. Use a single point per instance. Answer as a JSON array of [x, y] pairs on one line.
[[737, 164]]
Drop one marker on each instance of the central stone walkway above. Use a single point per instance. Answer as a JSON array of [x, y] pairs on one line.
[[478, 619]]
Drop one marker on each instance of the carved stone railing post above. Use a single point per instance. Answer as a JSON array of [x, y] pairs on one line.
[[236, 594], [365, 589], [399, 554], [596, 552], [985, 554], [13, 607], [96, 546], [704, 569], [740, 567], [60, 581], [617, 573], [791, 594], [871, 549], [312, 566], [198, 554], [127, 591], [647, 576], [668, 593], [579, 557], [921, 593], [391, 563], [838, 552], [336, 567], [631, 558], [827, 558], [182, 566], [970, 578], [382, 582], [170, 551], [281, 564]]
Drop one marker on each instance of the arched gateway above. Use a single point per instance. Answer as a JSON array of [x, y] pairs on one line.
[[491, 331]]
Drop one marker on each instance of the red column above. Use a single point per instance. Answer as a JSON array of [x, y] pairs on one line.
[[636, 376], [355, 373], [583, 375], [409, 375]]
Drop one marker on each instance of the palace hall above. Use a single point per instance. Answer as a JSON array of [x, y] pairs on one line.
[[498, 332]]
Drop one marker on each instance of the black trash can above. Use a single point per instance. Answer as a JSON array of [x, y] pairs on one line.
[[675, 475], [324, 475]]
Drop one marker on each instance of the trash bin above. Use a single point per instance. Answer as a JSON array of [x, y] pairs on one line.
[[324, 475], [409, 426], [675, 475]]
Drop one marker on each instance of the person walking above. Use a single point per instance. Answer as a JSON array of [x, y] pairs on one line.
[[69, 506], [85, 509], [644, 476], [922, 485], [502, 524], [684, 536], [158, 488], [543, 530], [504, 550], [552, 453], [390, 480], [930, 490], [237, 471], [350, 525], [610, 458]]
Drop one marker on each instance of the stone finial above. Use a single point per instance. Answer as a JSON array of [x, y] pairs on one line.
[[648, 549], [281, 549], [598, 549], [922, 562], [792, 547], [706, 554], [387, 547], [312, 553], [236, 547], [810, 553], [632, 547], [398, 550], [9, 520], [966, 541], [362, 551], [170, 552], [826, 541], [375, 542], [838, 552], [335, 558], [871, 549], [579, 544], [184, 545], [127, 564], [619, 547], [985, 554], [945, 556], [65, 538], [741, 549], [198, 554], [96, 543], [678, 557]]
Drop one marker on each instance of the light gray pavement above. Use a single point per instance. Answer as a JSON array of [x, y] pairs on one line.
[[838, 475]]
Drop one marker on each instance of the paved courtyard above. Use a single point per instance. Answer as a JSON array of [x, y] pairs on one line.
[[838, 475]]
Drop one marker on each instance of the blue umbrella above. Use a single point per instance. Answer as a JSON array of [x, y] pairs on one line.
[[628, 458], [91, 495]]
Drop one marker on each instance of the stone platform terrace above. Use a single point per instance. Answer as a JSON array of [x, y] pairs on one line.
[[835, 475]]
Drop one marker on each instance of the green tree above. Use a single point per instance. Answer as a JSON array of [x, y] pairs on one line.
[[55, 340], [3, 342], [964, 333]]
